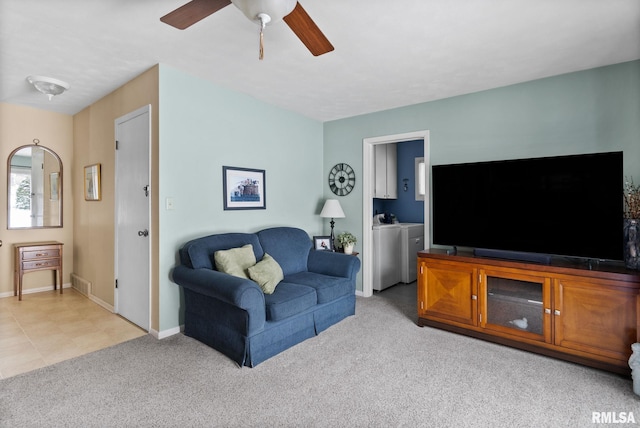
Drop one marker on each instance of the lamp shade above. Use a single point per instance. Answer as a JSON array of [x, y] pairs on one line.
[[332, 209]]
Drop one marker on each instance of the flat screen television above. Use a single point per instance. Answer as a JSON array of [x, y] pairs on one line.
[[557, 206]]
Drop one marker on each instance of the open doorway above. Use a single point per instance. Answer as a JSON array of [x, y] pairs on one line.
[[368, 164]]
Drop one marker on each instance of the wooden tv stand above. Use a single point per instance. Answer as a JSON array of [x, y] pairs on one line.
[[587, 315]]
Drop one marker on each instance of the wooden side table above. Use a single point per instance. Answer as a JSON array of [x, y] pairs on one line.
[[35, 256]]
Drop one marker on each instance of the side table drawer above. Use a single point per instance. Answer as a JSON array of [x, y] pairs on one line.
[[41, 254], [41, 264]]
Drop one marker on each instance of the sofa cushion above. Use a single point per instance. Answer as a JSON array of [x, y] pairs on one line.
[[288, 245], [328, 288], [198, 253], [267, 273], [235, 261], [289, 299]]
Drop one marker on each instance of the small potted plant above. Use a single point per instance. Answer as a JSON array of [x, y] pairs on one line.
[[347, 241], [631, 199], [632, 225]]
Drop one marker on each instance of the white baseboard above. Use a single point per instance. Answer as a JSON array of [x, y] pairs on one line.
[[33, 290], [165, 333], [101, 302]]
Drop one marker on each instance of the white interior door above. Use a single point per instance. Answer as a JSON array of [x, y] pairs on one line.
[[133, 202]]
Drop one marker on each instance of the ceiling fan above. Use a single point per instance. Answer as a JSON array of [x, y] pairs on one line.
[[264, 12]]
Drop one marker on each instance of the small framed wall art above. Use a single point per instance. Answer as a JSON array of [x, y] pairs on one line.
[[322, 243], [244, 188], [92, 190]]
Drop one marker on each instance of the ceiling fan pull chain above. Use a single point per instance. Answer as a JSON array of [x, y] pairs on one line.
[[261, 45], [264, 20]]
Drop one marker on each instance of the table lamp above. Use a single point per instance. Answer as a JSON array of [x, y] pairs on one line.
[[332, 209]]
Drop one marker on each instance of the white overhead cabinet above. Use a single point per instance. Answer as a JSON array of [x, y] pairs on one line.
[[386, 171]]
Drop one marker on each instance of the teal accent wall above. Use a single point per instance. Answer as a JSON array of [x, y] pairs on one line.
[[596, 110], [203, 127]]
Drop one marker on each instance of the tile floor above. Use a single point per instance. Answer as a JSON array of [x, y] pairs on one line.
[[46, 328]]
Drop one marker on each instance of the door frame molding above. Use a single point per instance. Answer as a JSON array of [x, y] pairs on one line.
[[368, 181], [146, 109]]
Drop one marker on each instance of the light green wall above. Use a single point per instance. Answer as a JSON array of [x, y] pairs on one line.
[[202, 128], [590, 111]]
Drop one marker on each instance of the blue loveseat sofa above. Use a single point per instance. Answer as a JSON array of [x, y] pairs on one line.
[[235, 316]]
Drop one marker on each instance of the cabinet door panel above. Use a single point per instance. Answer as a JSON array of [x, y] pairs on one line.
[[596, 319], [380, 183], [450, 292], [392, 171], [514, 303], [385, 172]]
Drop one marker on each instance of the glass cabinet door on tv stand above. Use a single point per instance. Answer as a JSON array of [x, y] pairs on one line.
[[517, 304]]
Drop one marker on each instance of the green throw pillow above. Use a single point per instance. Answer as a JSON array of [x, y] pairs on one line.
[[235, 261], [267, 273]]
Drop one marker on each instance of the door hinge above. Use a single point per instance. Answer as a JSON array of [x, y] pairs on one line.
[[116, 283], [117, 142]]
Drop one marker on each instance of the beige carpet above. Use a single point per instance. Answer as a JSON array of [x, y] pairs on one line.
[[376, 369]]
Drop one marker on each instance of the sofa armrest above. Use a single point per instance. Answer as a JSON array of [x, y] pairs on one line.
[[333, 264], [240, 292]]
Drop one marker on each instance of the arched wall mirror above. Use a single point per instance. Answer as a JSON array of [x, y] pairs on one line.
[[34, 194]]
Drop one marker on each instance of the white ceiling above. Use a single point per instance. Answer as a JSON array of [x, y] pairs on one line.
[[387, 53]]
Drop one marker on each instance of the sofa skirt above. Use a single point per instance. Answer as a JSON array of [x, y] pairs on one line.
[[220, 326], [331, 313], [279, 336]]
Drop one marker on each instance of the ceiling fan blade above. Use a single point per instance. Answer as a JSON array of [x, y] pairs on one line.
[[192, 12], [307, 31]]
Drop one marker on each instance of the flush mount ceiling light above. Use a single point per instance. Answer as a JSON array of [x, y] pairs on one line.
[[48, 85]]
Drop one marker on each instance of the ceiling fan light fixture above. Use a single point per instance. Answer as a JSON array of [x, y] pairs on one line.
[[48, 85], [275, 9]]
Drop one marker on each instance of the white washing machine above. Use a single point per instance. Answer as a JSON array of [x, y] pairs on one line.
[[412, 241], [386, 255]]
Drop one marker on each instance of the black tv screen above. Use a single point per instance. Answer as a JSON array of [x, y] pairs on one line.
[[564, 205]]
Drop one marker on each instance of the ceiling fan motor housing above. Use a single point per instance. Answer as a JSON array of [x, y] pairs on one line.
[[275, 9]]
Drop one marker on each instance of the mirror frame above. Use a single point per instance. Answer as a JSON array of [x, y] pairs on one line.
[[60, 187]]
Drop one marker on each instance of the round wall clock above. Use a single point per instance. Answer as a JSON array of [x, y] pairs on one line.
[[342, 178]]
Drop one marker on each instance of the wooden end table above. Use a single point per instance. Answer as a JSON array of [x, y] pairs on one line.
[[35, 256]]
